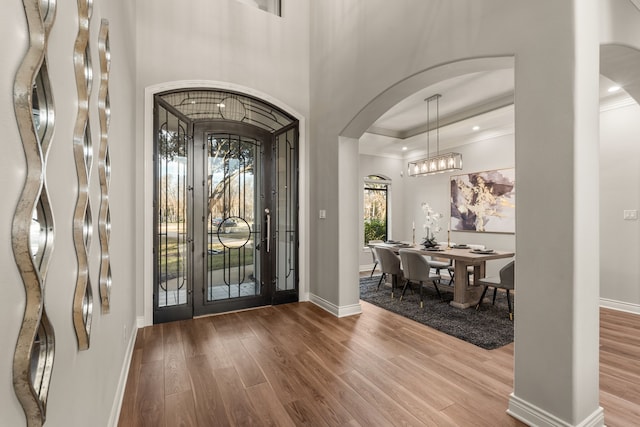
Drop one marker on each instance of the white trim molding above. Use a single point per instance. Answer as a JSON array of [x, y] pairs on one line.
[[618, 102], [338, 311], [140, 322], [116, 407], [620, 305], [533, 416], [147, 184]]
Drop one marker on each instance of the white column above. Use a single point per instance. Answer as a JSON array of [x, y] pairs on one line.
[[557, 272], [350, 192]]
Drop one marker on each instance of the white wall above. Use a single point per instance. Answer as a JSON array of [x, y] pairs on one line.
[[84, 385], [225, 43], [620, 191]]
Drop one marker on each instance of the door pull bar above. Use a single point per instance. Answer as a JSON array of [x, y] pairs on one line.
[[268, 214]]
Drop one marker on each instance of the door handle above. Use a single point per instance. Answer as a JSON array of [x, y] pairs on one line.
[[268, 218]]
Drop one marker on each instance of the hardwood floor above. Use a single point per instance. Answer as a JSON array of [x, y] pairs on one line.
[[295, 364]]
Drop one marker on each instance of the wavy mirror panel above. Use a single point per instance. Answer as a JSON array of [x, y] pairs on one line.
[[33, 226], [41, 233], [83, 155], [104, 166]]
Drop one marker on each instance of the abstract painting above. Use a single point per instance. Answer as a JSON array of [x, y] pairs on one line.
[[484, 201]]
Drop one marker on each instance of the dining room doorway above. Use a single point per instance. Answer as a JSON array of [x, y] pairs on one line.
[[225, 204]]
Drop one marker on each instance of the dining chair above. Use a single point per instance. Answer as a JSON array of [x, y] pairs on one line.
[[417, 269], [505, 281], [389, 265], [372, 245], [469, 268], [438, 263]]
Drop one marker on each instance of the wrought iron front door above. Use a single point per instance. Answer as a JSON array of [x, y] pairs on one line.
[[226, 216], [245, 238], [232, 207]]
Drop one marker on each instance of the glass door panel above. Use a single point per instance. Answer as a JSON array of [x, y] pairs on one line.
[[230, 268], [286, 224], [172, 222], [233, 164]]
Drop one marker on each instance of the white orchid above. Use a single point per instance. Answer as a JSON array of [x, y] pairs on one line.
[[431, 222]]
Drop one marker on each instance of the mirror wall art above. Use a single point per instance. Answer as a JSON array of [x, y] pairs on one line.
[[33, 226], [104, 166], [83, 155]]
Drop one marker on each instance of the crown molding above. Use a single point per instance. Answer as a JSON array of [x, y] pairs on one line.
[[618, 102], [468, 113]]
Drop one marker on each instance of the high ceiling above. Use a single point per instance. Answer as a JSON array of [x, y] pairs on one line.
[[483, 100]]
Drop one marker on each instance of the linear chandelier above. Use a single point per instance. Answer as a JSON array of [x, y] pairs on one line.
[[438, 163]]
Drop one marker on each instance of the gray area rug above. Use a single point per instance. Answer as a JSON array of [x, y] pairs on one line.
[[488, 327]]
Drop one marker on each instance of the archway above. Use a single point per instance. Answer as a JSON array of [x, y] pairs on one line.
[[145, 203]]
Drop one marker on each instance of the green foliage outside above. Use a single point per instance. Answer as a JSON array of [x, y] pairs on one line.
[[172, 258], [235, 257], [375, 229]]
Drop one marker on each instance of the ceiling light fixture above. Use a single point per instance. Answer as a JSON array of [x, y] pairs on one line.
[[475, 128], [613, 89], [404, 148], [438, 163]]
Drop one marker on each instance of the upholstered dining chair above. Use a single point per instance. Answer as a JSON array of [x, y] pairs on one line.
[[438, 264], [372, 246], [390, 265], [417, 269], [505, 281]]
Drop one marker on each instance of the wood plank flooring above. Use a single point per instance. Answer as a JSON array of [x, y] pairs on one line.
[[295, 364]]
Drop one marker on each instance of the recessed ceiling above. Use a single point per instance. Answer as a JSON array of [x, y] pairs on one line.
[[458, 94], [483, 100]]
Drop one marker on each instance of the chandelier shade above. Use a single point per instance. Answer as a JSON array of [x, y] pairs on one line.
[[438, 163]]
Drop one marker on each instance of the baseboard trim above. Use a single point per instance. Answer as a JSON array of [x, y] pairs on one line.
[[122, 382], [620, 305], [533, 416], [338, 311], [303, 297], [140, 322], [350, 310]]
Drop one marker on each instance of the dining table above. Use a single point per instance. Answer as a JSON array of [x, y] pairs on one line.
[[465, 294]]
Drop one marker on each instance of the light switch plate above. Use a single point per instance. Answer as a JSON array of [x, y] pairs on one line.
[[322, 214], [631, 215]]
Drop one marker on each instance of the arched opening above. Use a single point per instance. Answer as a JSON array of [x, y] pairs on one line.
[[381, 138], [476, 118], [614, 68], [225, 203]]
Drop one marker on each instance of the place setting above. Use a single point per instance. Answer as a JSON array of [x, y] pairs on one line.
[[482, 251]]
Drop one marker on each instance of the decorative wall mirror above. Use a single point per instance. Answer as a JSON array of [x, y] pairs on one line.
[[33, 227], [104, 167], [83, 155]]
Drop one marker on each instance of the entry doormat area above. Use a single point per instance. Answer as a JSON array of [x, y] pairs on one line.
[[489, 327]]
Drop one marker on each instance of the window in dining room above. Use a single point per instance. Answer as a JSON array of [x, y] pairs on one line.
[[376, 196]]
